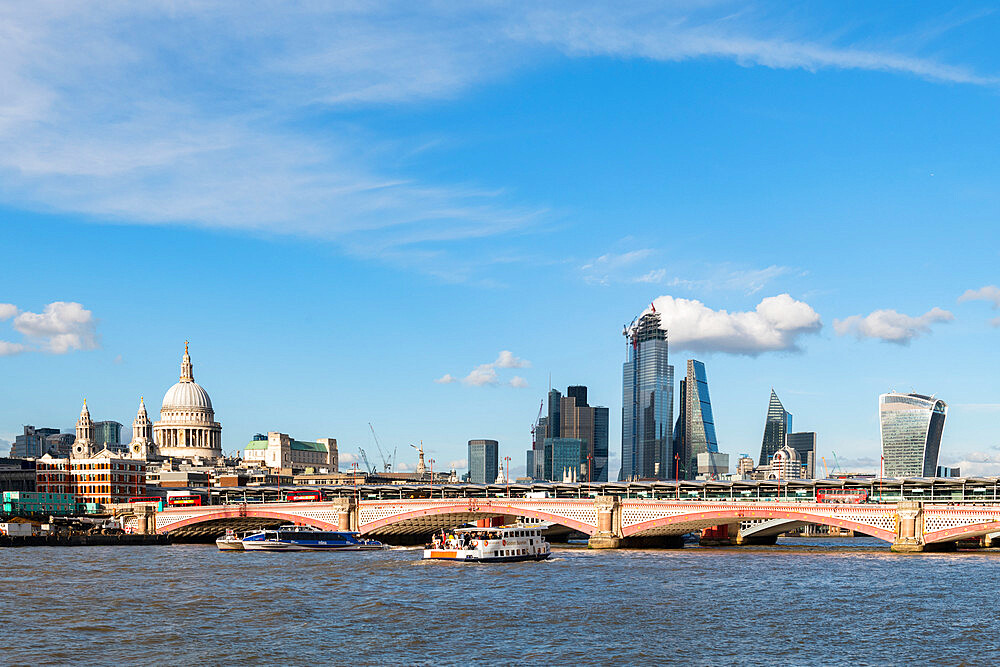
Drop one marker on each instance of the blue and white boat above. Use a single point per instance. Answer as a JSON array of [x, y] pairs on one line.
[[305, 538]]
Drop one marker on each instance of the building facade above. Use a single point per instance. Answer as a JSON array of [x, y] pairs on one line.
[[279, 451], [484, 461], [103, 478], [647, 402], [32, 443], [694, 433], [776, 428], [804, 443], [108, 435], [187, 426], [570, 416], [911, 427]]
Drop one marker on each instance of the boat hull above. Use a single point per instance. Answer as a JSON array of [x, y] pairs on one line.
[[472, 557], [229, 544], [291, 546]]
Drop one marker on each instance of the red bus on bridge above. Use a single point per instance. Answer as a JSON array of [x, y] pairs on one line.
[[847, 496], [303, 496]]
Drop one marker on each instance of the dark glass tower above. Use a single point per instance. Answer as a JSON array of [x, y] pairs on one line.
[[777, 426], [484, 461], [570, 418], [647, 402], [911, 426]]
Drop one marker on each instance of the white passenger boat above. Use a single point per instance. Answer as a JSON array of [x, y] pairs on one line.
[[499, 544], [230, 541], [306, 538]]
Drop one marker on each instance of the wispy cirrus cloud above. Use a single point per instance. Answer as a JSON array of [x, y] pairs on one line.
[[205, 114], [890, 326]]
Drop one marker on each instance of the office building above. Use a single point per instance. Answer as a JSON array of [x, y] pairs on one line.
[[570, 417], [279, 451], [804, 443], [647, 402], [712, 465], [484, 461], [776, 428], [562, 458], [911, 426], [108, 434], [32, 443], [694, 433]]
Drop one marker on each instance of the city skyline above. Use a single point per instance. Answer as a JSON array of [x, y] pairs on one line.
[[808, 199]]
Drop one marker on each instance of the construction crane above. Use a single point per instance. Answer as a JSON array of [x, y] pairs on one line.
[[386, 463], [836, 463], [369, 468], [826, 474], [541, 407]]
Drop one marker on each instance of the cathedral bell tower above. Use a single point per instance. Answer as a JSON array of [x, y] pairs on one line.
[[142, 446], [83, 446]]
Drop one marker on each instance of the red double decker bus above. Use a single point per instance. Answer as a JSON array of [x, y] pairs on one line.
[[846, 496], [303, 496], [183, 498]]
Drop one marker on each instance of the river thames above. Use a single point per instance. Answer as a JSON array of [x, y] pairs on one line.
[[818, 601]]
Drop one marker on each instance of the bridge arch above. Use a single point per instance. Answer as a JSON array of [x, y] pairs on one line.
[[465, 512], [246, 513], [966, 532], [698, 520]]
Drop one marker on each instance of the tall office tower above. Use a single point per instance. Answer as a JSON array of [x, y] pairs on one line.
[[569, 417], [804, 442], [694, 433], [484, 461], [911, 426], [647, 402], [108, 434], [777, 426]]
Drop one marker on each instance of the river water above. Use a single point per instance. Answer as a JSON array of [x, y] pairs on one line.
[[803, 602]]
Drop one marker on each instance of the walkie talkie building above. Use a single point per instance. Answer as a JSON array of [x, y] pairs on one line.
[[911, 426]]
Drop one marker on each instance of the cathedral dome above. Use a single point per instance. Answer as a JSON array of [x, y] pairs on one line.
[[186, 395]]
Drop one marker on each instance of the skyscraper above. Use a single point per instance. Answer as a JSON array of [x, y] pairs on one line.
[[911, 427], [484, 461], [776, 428], [570, 417], [804, 443], [647, 402], [694, 433], [108, 434]]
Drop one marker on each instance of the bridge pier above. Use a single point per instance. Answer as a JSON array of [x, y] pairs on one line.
[[608, 522], [910, 529], [347, 513]]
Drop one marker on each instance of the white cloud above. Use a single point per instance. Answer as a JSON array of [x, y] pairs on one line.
[[975, 464], [7, 311], [774, 325], [995, 322], [989, 293], [482, 375], [61, 327], [10, 349], [345, 459], [890, 326], [458, 464], [486, 374], [112, 113], [508, 360]]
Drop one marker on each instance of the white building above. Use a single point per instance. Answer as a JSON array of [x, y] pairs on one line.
[[187, 426], [281, 451]]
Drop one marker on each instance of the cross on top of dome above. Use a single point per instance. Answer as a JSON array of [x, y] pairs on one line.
[[187, 370]]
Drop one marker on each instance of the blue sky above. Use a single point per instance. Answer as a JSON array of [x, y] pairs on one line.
[[344, 209]]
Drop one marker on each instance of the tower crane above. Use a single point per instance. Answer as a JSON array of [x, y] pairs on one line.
[[369, 468], [386, 463]]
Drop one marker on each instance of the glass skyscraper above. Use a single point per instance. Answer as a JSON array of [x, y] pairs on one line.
[[484, 461], [647, 402], [569, 417], [804, 443], [777, 426], [911, 426], [694, 433]]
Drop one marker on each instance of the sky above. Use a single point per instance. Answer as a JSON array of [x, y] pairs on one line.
[[413, 217]]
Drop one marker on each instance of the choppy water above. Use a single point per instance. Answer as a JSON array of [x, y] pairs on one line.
[[821, 602]]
